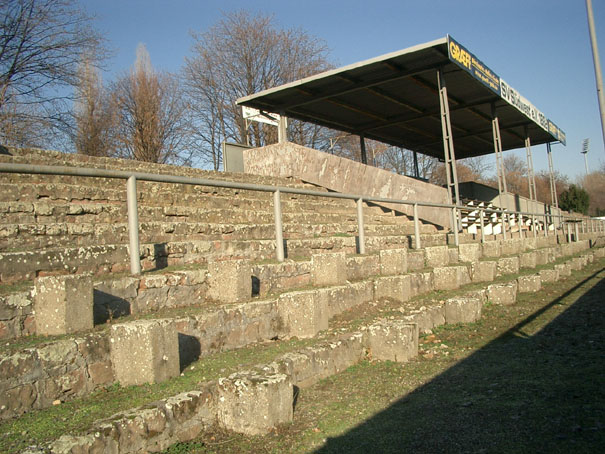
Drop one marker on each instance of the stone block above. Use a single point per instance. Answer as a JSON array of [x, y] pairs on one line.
[[415, 260], [422, 283], [483, 271], [445, 278], [511, 246], [599, 252], [253, 403], [543, 256], [469, 252], [507, 265], [575, 263], [527, 259], [462, 310], [395, 287], [491, 249], [393, 261], [328, 269], [529, 284], [303, 314], [427, 317], [362, 266], [393, 340], [63, 304], [436, 256], [144, 351], [463, 276], [504, 294], [564, 269], [549, 276], [453, 255], [230, 281]]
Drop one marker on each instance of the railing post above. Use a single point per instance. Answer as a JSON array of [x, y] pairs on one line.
[[455, 226], [520, 224], [577, 231], [133, 225], [568, 233], [545, 225], [279, 229], [503, 219], [360, 229], [534, 225], [416, 228], [482, 219]]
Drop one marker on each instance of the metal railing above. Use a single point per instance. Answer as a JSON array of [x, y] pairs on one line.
[[456, 210]]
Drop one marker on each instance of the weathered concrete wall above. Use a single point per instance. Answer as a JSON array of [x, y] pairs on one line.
[[344, 175]]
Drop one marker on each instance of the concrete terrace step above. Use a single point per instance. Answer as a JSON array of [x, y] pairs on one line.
[[101, 259], [217, 329], [391, 339], [36, 236], [24, 213]]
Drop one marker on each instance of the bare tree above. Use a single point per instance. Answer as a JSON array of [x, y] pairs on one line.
[[41, 42], [153, 122], [241, 55], [94, 114]]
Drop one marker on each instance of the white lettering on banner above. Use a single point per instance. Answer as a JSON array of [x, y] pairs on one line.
[[513, 97]]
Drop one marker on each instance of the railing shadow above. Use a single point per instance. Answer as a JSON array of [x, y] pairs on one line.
[[520, 393]]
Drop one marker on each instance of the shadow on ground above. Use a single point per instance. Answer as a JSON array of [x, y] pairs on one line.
[[520, 393]]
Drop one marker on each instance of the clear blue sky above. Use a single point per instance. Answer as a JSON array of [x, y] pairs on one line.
[[540, 47]]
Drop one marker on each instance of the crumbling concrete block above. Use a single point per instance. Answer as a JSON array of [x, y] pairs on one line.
[[491, 249], [464, 276], [415, 260], [549, 276], [462, 310], [63, 304], [504, 294], [507, 265], [599, 252], [393, 261], [144, 351], [427, 317], [453, 255], [446, 278], [512, 246], [436, 256], [329, 269], [393, 340], [529, 284], [543, 256], [575, 263], [422, 283], [564, 269], [253, 403], [395, 287], [527, 259], [469, 252], [483, 271], [230, 281], [303, 314]]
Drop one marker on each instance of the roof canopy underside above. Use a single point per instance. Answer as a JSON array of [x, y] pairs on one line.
[[394, 99]]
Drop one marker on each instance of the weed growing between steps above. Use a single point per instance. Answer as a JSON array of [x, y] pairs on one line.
[[524, 378]]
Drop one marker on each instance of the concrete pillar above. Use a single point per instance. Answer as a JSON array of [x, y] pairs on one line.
[[303, 314], [393, 261], [254, 403], [63, 304], [329, 269], [230, 281], [393, 340], [144, 351]]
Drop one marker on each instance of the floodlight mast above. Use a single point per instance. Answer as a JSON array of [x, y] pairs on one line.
[[597, 66], [585, 148]]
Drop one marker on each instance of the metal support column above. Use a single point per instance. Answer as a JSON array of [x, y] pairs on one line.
[[360, 231], [551, 171], [362, 146], [282, 128], [499, 166], [133, 225], [448, 148], [416, 228], [279, 230], [482, 219]]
